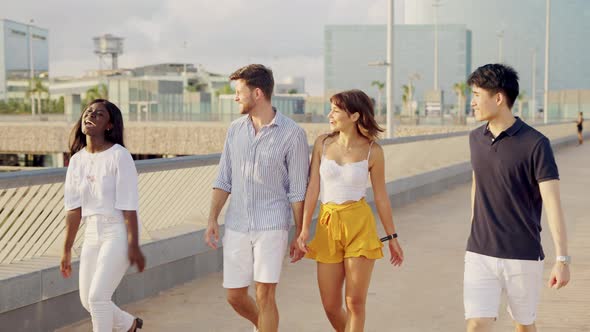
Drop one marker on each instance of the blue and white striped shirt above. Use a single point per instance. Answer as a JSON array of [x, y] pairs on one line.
[[264, 173]]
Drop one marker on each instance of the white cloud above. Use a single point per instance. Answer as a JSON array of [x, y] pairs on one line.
[[220, 34]]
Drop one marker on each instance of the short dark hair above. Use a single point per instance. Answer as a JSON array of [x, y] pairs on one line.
[[256, 76], [115, 135], [496, 78]]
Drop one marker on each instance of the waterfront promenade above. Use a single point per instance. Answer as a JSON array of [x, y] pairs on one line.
[[425, 294]]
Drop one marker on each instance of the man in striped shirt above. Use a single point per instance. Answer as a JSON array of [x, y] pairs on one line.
[[264, 166]]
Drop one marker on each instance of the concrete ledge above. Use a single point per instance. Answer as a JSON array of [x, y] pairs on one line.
[[43, 301]]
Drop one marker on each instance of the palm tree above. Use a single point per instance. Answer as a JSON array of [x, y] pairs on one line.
[[380, 86], [460, 89], [37, 89], [408, 91], [521, 99], [225, 90], [99, 91]]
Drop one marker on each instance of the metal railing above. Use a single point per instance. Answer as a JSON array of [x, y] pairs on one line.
[[32, 214], [175, 193]]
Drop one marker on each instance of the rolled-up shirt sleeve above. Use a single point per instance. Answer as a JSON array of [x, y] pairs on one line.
[[298, 166], [72, 197], [223, 180]]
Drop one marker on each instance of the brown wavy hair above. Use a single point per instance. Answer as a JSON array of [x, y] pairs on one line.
[[356, 101]]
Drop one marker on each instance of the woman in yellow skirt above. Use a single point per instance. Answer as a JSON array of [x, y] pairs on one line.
[[346, 243]]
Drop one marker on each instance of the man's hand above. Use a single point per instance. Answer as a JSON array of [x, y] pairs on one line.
[[212, 234], [560, 275]]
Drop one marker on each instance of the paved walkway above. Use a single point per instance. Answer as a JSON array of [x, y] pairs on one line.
[[423, 295]]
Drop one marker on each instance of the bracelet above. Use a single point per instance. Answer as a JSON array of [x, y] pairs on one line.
[[388, 237]]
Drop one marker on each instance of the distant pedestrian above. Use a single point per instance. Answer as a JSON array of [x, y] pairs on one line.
[[580, 126]]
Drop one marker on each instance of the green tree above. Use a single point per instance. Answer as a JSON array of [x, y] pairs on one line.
[[225, 90], [13, 106], [461, 89], [99, 91], [380, 87], [521, 99], [56, 106], [407, 92], [195, 86], [292, 91], [37, 89], [191, 88]]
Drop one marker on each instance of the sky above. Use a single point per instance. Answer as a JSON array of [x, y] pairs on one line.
[[222, 35]]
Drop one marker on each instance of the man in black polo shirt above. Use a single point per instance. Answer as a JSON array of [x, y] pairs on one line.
[[514, 173]]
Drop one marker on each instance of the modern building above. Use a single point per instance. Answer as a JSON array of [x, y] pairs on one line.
[[65, 86], [195, 78], [141, 98], [290, 85], [17, 42], [351, 49], [293, 105], [513, 32], [168, 91]]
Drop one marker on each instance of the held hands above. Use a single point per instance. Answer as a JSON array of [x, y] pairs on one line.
[[302, 240], [296, 251], [397, 254], [66, 264], [212, 234], [136, 257], [560, 275]]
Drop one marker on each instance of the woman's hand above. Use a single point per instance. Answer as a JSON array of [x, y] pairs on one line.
[[397, 254], [66, 264], [136, 257], [302, 240]]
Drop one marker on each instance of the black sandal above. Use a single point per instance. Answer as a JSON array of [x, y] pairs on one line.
[[138, 324]]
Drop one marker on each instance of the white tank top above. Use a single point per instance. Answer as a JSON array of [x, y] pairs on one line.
[[341, 183]]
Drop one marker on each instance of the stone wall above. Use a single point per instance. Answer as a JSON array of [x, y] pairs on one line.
[[175, 138]]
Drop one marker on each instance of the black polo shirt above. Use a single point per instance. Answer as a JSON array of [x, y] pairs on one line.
[[508, 204]]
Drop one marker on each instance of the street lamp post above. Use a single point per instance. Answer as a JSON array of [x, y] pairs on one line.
[[500, 46], [31, 65], [389, 79], [184, 46], [546, 85], [388, 63], [411, 79], [533, 105], [436, 4]]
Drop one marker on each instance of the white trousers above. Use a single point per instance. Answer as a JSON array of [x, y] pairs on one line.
[[103, 263]]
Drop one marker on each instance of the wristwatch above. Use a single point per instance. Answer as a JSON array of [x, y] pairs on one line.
[[565, 260]]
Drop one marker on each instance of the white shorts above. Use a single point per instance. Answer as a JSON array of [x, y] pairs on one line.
[[254, 256], [487, 277]]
